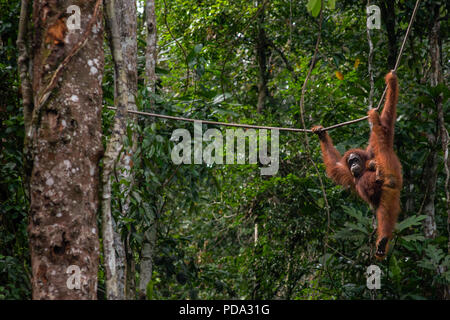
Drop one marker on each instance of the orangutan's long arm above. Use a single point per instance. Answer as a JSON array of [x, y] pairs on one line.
[[336, 169], [389, 113], [388, 164]]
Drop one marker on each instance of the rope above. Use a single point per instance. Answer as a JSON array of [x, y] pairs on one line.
[[228, 124], [397, 63], [239, 125]]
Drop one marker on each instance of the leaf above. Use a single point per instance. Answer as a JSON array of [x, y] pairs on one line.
[[434, 253], [433, 257], [413, 237], [160, 70], [411, 221], [137, 196], [316, 9], [413, 297], [314, 6], [149, 290], [321, 202], [357, 215], [325, 258], [357, 227], [336, 60], [220, 98], [339, 75], [331, 4], [198, 48], [395, 270]]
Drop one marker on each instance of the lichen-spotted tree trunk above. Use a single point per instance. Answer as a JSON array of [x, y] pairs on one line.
[[148, 245], [126, 14], [112, 152], [63, 148]]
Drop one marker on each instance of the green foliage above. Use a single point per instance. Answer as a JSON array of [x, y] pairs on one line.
[[437, 261], [206, 217], [14, 254]]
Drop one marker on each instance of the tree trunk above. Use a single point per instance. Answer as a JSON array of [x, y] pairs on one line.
[[121, 262], [430, 172], [112, 152], [388, 13], [148, 248], [441, 132], [438, 79], [150, 53], [63, 137], [127, 24], [261, 56], [146, 268]]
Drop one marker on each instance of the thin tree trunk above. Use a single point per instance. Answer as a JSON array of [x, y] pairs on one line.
[[127, 23], [148, 246], [441, 132], [130, 283], [387, 8], [410, 194], [430, 172], [121, 263], [113, 149], [24, 64], [438, 79], [151, 53], [63, 137], [261, 56]]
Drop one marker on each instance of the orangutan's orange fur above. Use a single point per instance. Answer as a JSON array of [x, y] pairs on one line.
[[378, 185]]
